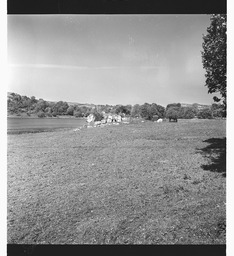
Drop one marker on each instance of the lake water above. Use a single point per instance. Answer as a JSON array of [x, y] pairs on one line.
[[17, 125]]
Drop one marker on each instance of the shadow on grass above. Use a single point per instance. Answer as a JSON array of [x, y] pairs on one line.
[[216, 152]]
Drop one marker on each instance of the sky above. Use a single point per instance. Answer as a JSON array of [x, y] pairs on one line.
[[108, 59]]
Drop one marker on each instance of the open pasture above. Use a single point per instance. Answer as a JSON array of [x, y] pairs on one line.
[[137, 183]]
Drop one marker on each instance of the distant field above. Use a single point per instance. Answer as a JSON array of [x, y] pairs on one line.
[[24, 125], [142, 183]]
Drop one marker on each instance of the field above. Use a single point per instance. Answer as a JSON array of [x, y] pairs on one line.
[[16, 125], [137, 183]]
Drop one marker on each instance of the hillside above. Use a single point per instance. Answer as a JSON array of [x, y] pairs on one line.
[[197, 105]]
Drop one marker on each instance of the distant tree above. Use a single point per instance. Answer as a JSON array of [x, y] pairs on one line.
[[173, 105], [217, 110], [205, 113], [41, 105], [33, 100], [145, 111], [148, 111], [153, 110], [60, 108], [135, 111], [97, 115], [214, 56], [41, 114], [172, 113], [217, 113], [48, 110], [120, 109], [187, 112], [78, 113], [161, 111], [54, 113], [70, 110]]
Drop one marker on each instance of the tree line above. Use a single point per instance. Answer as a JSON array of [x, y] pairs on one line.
[[17, 105]]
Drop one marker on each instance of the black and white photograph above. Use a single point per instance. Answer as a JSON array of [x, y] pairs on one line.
[[116, 129]]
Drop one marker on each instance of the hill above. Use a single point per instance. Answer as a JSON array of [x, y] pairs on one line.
[[197, 105]]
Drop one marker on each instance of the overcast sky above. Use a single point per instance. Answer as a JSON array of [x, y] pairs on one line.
[[108, 59]]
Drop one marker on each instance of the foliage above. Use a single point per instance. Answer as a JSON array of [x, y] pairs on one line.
[[41, 105], [125, 110], [172, 113], [60, 108], [97, 115], [78, 113], [173, 105], [41, 114], [218, 110], [70, 111], [205, 114], [135, 111], [187, 112], [214, 56], [148, 111], [18, 104]]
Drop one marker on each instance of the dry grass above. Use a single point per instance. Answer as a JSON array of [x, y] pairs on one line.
[[141, 183]]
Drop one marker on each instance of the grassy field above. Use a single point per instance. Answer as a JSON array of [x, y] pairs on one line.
[[137, 183], [20, 125]]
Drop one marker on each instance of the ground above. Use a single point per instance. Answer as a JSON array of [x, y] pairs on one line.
[[137, 183]]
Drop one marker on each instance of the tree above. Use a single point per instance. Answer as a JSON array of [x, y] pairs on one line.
[[97, 115], [161, 111], [135, 112], [60, 108], [187, 112], [70, 110], [120, 109], [205, 114], [173, 105], [214, 56], [217, 110], [172, 113], [78, 113], [41, 114], [145, 111]]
